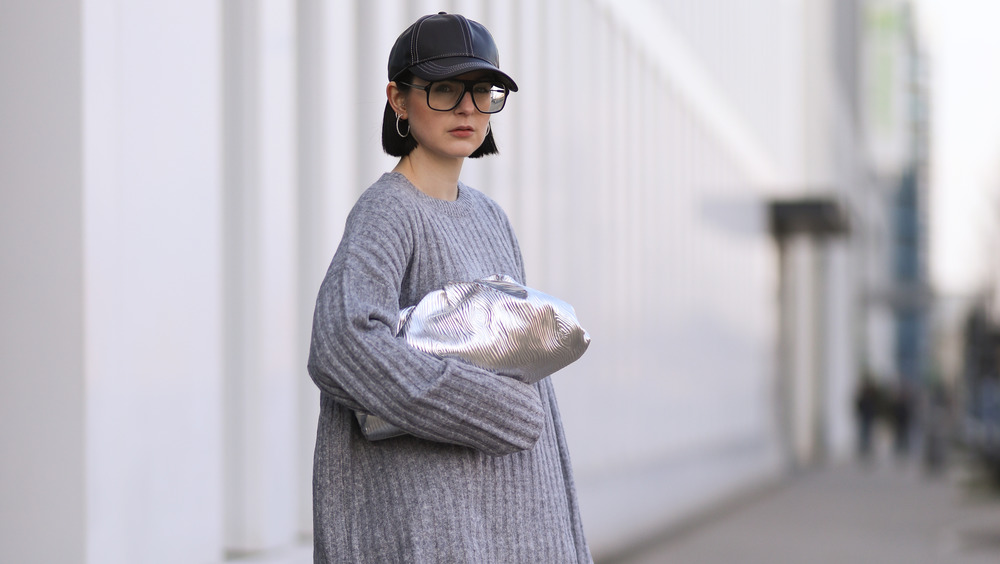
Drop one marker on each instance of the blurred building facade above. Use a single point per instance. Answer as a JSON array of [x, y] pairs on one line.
[[895, 91], [176, 176]]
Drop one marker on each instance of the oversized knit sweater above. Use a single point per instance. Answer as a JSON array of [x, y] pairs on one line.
[[483, 475]]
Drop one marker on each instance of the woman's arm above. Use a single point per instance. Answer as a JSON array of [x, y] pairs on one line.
[[356, 357]]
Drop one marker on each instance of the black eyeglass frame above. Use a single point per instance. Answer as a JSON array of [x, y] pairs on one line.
[[466, 88]]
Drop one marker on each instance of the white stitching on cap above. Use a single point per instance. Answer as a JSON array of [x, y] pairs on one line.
[[467, 36], [413, 41], [430, 66], [449, 55]]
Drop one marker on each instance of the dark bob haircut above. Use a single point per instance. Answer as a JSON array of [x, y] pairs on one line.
[[398, 146]]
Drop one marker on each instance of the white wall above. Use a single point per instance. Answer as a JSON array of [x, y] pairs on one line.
[[263, 470], [42, 407], [152, 209], [112, 341], [182, 209]]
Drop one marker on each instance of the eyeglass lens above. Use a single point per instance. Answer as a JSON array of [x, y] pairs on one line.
[[446, 95]]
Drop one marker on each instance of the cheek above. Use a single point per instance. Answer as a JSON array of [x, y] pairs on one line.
[[424, 119], [419, 126]]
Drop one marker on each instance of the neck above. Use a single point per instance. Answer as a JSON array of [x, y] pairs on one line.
[[437, 178]]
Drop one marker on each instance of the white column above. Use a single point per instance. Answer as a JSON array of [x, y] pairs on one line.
[[817, 87], [531, 117], [619, 273], [475, 172], [264, 362], [419, 8], [841, 358], [501, 169], [328, 183], [801, 343], [602, 187], [153, 281], [553, 188], [381, 22], [42, 439]]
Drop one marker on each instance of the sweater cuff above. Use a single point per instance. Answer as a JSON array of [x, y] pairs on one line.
[[494, 414]]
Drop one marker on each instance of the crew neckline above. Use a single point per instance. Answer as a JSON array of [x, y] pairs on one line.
[[458, 205]]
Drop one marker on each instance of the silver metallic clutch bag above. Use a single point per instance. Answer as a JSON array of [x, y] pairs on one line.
[[493, 323]]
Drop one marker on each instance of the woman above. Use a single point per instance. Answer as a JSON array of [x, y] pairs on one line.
[[482, 473]]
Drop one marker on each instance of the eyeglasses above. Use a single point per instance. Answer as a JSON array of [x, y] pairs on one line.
[[445, 95]]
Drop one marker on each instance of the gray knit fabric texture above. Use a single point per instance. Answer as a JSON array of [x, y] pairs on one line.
[[484, 474]]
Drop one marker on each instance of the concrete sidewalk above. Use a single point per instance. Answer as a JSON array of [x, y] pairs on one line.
[[886, 512]]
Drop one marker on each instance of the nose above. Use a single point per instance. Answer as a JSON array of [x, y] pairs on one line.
[[466, 106]]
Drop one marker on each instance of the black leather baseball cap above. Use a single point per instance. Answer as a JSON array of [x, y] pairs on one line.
[[446, 45]]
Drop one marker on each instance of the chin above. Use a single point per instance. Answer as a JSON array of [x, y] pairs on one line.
[[463, 153], [453, 149]]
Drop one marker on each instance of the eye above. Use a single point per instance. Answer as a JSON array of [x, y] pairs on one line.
[[443, 88]]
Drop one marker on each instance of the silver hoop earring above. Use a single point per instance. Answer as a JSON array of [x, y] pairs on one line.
[[401, 134]]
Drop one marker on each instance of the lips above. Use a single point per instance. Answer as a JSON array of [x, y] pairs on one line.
[[462, 131]]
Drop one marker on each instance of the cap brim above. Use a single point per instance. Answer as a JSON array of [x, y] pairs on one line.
[[450, 67]]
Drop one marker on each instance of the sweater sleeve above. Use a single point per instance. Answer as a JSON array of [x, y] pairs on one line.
[[357, 359]]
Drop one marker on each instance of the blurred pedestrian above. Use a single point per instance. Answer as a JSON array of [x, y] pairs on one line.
[[937, 433], [866, 409], [482, 473], [901, 416]]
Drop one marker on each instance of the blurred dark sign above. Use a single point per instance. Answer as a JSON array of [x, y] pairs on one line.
[[810, 216]]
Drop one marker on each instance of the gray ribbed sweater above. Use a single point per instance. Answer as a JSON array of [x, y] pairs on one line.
[[484, 475]]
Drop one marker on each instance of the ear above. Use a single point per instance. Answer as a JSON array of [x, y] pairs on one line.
[[397, 99]]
